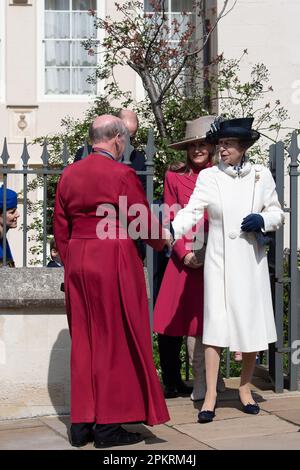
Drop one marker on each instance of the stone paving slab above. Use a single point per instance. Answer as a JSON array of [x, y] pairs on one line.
[[292, 403], [19, 424], [293, 416], [36, 438], [290, 441], [211, 433], [179, 401], [59, 424]]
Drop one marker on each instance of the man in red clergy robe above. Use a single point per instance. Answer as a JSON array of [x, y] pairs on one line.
[[113, 378]]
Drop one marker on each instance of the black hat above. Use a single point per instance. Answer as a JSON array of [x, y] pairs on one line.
[[239, 128]]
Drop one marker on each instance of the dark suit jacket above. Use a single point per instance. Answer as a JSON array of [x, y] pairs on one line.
[[53, 264], [137, 159]]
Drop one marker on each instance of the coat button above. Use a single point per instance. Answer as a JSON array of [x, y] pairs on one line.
[[233, 234]]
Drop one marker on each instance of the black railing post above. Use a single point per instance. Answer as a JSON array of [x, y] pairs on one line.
[[294, 152], [45, 160], [25, 158], [276, 273]]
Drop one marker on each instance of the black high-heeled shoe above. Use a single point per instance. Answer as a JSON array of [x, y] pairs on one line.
[[206, 416], [250, 408]]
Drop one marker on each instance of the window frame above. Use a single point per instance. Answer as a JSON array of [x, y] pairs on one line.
[[42, 96], [171, 14]]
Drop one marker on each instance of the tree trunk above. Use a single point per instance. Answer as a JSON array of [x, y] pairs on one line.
[[155, 103], [159, 118]]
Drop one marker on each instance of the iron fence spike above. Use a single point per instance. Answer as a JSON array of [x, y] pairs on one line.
[[45, 154], [25, 155], [294, 148], [5, 155]]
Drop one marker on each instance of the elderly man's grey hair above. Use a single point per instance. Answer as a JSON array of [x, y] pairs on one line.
[[108, 131]]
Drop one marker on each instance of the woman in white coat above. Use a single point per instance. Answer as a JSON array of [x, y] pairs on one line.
[[242, 205]]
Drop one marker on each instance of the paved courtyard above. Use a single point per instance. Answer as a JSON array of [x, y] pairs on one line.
[[276, 427]]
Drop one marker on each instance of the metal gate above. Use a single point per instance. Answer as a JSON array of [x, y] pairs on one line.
[[283, 265]]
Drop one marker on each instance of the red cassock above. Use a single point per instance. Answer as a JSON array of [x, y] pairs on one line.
[[179, 305], [113, 377]]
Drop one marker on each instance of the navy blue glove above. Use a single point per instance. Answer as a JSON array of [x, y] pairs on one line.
[[253, 223]]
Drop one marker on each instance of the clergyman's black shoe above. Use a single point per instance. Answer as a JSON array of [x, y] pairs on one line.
[[119, 437], [184, 389], [81, 434], [177, 390], [170, 391]]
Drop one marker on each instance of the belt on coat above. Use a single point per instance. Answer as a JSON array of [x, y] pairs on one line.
[[100, 228]]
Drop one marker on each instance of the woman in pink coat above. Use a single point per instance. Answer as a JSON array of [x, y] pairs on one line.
[[179, 307]]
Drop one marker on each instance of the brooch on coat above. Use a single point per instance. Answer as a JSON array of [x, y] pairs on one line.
[[258, 169]]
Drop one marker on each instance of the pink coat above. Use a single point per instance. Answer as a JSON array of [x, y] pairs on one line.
[[179, 306]]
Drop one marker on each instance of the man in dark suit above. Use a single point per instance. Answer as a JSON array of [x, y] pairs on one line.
[[55, 258], [137, 158]]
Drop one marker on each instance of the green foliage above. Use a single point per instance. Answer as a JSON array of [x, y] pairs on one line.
[[156, 354], [234, 366]]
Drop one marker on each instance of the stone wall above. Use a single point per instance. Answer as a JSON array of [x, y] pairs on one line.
[[34, 343]]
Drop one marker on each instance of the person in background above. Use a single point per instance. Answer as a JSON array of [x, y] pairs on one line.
[[12, 216], [178, 309], [55, 258], [113, 378], [242, 205], [238, 357], [137, 158]]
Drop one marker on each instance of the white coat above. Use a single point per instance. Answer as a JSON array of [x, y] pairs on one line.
[[238, 311]]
